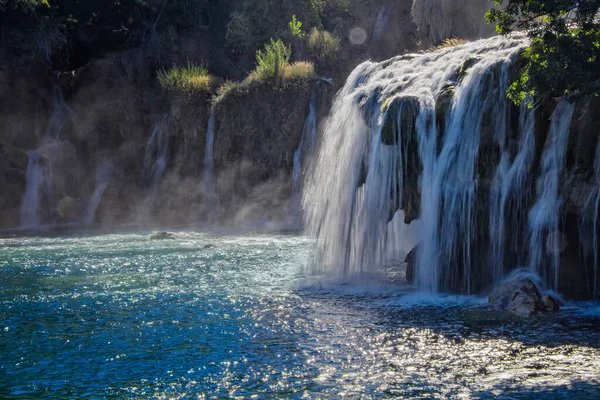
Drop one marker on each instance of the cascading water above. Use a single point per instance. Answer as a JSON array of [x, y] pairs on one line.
[[103, 176], [407, 133], [545, 237], [34, 178], [509, 186], [210, 190]]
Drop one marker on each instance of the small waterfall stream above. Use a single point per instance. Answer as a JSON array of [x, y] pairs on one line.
[[155, 161], [38, 177], [157, 149], [34, 178], [103, 177], [382, 20], [210, 190]]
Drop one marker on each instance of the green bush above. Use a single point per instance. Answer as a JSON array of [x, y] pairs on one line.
[[324, 46], [272, 60], [296, 28], [189, 80]]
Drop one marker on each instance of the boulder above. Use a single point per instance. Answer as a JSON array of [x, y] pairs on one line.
[[522, 297], [162, 236]]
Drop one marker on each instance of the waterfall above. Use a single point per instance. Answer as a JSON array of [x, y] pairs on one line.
[[210, 189], [545, 238], [155, 160], [157, 149], [103, 176], [61, 113], [405, 134], [34, 179], [382, 20]]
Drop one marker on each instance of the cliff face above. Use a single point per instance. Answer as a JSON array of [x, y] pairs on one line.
[[110, 116], [25, 97]]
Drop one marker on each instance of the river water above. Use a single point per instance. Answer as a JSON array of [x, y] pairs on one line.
[[237, 316]]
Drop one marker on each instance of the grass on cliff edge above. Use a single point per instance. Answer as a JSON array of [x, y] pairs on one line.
[[289, 76], [189, 80], [273, 71]]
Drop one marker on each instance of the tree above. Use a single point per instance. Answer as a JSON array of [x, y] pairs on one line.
[[563, 59]]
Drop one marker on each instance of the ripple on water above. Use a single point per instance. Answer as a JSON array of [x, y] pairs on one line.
[[124, 316]]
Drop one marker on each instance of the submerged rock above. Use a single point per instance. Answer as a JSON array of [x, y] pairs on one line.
[[522, 297], [162, 236]]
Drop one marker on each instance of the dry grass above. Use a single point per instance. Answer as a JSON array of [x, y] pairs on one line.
[[299, 70], [324, 45], [188, 80], [446, 43]]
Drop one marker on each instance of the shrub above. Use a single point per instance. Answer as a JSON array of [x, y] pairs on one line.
[[324, 46], [272, 60], [296, 28], [188, 80]]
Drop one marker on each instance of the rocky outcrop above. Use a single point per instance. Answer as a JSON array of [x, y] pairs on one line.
[[522, 297], [258, 129], [162, 236]]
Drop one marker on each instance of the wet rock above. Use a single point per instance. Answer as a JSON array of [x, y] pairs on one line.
[[162, 236], [522, 297], [550, 303], [411, 264]]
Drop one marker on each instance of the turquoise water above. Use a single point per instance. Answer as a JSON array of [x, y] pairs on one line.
[[217, 316]]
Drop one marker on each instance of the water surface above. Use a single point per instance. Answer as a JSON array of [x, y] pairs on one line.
[[217, 316]]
